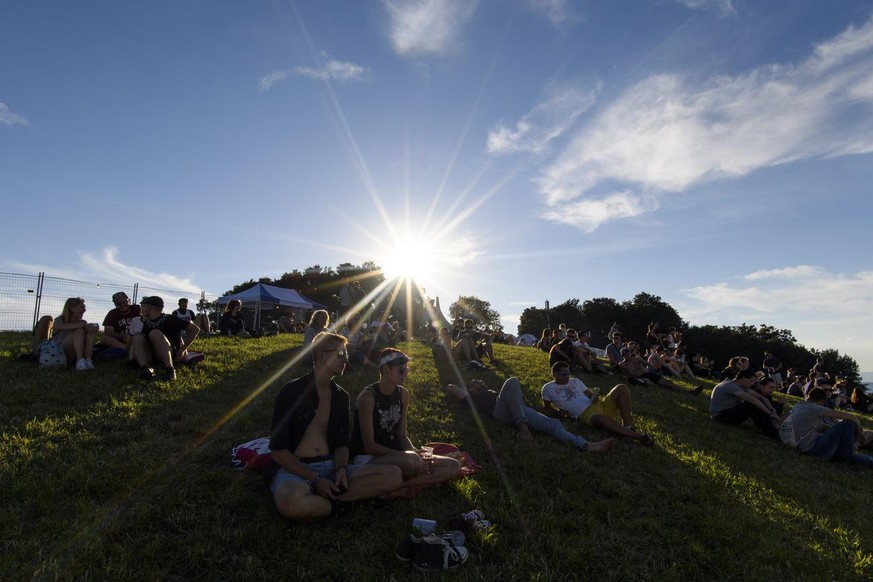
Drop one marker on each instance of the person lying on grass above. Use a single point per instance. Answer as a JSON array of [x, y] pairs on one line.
[[634, 367], [508, 407], [309, 442], [379, 434], [733, 401], [570, 397], [834, 442]]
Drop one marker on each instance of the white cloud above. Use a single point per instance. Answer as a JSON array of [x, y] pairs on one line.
[[9, 118], [665, 134], [726, 6], [269, 80], [332, 70], [544, 123], [557, 11], [590, 213], [807, 291], [105, 267], [428, 26]]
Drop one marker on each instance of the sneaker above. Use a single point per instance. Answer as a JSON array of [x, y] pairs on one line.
[[195, 358], [697, 389], [82, 365], [90, 364], [646, 440], [436, 553], [408, 548], [146, 373], [169, 374]]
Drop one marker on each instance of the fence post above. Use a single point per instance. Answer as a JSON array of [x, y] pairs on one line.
[[135, 293], [38, 299]]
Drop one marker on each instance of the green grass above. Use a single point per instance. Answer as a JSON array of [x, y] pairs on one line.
[[106, 477]]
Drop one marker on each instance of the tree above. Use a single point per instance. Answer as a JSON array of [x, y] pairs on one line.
[[598, 315], [645, 308], [532, 321], [479, 310]]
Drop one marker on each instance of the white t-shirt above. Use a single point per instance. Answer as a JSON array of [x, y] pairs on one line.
[[569, 397]]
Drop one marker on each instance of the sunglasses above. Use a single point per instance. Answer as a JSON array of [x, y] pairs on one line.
[[340, 353]]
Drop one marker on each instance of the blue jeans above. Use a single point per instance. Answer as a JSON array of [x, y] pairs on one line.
[[838, 443], [511, 409]]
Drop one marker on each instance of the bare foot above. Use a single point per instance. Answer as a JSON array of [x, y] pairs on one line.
[[603, 446]]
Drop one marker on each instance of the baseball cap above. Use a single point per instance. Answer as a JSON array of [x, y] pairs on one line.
[[153, 300]]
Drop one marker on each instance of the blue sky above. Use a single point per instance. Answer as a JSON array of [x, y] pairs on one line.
[[714, 153]]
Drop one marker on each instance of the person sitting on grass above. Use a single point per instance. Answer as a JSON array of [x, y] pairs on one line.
[[116, 324], [354, 334], [570, 397], [765, 388], [309, 442], [74, 334], [835, 442], [379, 434], [318, 323], [508, 407], [733, 402], [232, 321], [860, 401], [659, 362], [613, 351], [582, 354], [473, 345], [161, 340], [634, 367]]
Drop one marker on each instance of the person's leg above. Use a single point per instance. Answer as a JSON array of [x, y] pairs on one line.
[[42, 331], [510, 404], [836, 442], [409, 462], [762, 420], [74, 345], [161, 348], [489, 348], [140, 350], [621, 395], [369, 481], [294, 500], [90, 337], [581, 358], [553, 427]]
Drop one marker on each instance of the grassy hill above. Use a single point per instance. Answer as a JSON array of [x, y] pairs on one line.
[[106, 477]]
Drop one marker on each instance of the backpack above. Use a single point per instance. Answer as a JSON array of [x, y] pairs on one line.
[[51, 354]]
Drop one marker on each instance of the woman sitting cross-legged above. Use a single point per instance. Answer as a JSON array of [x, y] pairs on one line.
[[75, 334], [380, 427]]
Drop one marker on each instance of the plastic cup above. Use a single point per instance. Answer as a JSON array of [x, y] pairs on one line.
[[423, 526]]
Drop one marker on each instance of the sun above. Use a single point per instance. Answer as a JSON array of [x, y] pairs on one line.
[[412, 258]]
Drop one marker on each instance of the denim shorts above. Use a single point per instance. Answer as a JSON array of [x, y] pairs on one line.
[[323, 469]]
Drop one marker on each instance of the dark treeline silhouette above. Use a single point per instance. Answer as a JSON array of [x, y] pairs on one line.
[[596, 316]]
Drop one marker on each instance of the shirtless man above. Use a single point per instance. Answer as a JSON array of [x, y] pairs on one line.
[[634, 367], [310, 442]]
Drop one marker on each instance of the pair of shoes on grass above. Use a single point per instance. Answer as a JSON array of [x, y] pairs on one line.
[[84, 364], [168, 374], [433, 552]]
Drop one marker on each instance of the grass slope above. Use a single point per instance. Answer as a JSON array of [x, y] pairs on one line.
[[103, 476]]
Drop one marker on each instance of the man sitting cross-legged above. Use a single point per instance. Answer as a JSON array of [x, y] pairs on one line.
[[379, 435], [572, 398], [117, 322], [310, 441], [634, 367], [508, 407]]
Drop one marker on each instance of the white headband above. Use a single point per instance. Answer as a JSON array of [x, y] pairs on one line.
[[390, 357]]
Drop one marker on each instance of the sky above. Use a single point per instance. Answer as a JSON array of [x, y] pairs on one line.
[[716, 153]]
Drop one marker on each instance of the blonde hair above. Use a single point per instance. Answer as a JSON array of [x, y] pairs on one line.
[[69, 304]]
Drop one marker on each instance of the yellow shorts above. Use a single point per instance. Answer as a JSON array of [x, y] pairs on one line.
[[605, 406]]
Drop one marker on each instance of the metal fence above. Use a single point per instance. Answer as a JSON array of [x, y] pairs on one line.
[[26, 298]]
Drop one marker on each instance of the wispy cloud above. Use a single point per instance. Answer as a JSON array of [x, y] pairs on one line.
[[557, 11], [544, 123], [428, 26], [725, 6], [588, 214], [9, 118], [666, 134], [105, 267], [330, 71], [807, 291]]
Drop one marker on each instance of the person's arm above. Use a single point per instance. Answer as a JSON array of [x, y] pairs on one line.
[[402, 436], [288, 461], [365, 404], [830, 412], [755, 400], [60, 325], [340, 461], [456, 392]]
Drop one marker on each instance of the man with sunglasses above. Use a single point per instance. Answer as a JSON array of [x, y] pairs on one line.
[[116, 324], [309, 441], [508, 407]]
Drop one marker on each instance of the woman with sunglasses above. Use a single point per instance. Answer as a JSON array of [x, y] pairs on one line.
[[379, 430]]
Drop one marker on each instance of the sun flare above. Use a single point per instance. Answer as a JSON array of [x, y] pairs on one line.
[[412, 259]]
